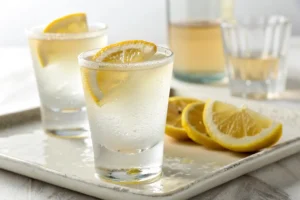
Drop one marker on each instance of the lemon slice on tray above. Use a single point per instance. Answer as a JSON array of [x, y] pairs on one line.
[[192, 122], [174, 127], [102, 84], [239, 129]]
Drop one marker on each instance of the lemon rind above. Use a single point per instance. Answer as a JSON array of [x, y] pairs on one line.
[[176, 133], [266, 138], [49, 27], [193, 133], [148, 48]]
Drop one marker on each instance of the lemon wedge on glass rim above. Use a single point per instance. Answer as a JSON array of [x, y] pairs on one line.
[[72, 23], [100, 83], [130, 51], [239, 129]]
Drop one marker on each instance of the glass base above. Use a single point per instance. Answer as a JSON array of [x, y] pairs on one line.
[[129, 167], [199, 77], [68, 133], [65, 122], [130, 176]]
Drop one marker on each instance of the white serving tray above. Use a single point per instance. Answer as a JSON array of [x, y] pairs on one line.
[[189, 169]]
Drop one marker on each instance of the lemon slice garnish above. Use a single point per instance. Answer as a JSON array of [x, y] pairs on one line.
[[102, 84], [47, 51], [72, 23], [129, 51]]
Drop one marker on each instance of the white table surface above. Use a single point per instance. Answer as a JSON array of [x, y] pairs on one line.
[[278, 181]]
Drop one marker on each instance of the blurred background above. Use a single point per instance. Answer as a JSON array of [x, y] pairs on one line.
[[126, 18]]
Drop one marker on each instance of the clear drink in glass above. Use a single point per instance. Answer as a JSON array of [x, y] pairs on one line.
[[54, 57], [127, 105], [256, 49]]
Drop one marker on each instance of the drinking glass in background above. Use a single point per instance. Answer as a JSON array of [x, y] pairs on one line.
[[255, 50], [195, 38], [127, 108], [54, 57]]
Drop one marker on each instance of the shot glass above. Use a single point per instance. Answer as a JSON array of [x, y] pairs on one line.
[[54, 58], [255, 50], [127, 107]]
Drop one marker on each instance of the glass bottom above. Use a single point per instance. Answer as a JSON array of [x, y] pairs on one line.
[[130, 176], [258, 90], [65, 122], [68, 133], [198, 77], [128, 166]]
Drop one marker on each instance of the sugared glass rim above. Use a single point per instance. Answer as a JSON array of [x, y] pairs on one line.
[[87, 63], [257, 21], [98, 29]]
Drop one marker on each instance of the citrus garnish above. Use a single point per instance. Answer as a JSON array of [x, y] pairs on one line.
[[103, 83], [129, 51], [174, 128], [42, 52], [239, 129], [192, 122], [72, 23]]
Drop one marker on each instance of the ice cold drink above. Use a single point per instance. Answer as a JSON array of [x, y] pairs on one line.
[[58, 77], [127, 108]]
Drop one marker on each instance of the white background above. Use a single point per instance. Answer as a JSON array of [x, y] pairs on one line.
[[127, 19]]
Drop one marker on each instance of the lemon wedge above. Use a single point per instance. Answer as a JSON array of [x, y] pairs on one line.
[[174, 127], [48, 50], [192, 122], [104, 83], [239, 129], [129, 51], [72, 23]]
